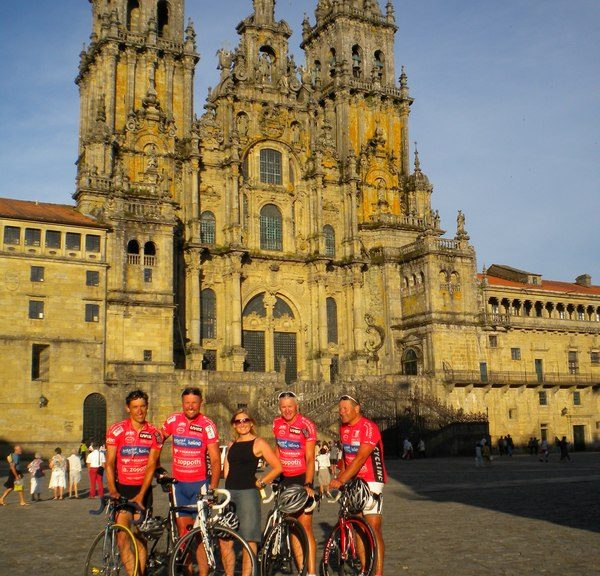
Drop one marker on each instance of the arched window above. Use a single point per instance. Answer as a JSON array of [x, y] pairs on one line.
[[379, 68], [281, 309], [162, 18], [332, 326], [329, 236], [149, 254], [133, 15], [256, 306], [133, 252], [270, 166], [207, 227], [356, 61], [271, 228], [410, 362], [208, 314]]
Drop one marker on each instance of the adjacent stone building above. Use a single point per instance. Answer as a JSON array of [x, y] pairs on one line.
[[285, 238]]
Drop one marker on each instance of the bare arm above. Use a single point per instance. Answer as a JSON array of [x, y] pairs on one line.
[[215, 465], [262, 449], [226, 463], [351, 471], [150, 468], [310, 462], [109, 468]]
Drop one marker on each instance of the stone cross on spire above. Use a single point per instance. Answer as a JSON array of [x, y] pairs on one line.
[[264, 11]]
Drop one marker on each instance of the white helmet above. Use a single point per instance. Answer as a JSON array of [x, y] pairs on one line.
[[292, 499], [358, 495]]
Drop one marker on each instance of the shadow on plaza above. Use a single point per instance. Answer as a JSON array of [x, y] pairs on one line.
[[563, 493]]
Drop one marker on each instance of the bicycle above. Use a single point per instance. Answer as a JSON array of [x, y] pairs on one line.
[[284, 549], [160, 534], [212, 547], [105, 556], [351, 548]]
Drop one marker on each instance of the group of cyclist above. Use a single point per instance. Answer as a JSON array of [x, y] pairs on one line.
[[133, 448]]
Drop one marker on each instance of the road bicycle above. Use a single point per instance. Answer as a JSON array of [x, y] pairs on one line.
[[160, 534], [284, 549], [105, 556], [351, 548], [213, 547]]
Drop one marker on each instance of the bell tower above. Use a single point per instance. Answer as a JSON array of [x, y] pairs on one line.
[[138, 167], [350, 52]]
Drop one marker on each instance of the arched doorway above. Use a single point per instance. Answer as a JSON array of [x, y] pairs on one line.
[[269, 336], [94, 418]]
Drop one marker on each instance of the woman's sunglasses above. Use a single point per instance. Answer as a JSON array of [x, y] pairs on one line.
[[242, 421]]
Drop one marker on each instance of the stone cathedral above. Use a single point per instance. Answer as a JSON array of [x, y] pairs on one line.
[[283, 237]]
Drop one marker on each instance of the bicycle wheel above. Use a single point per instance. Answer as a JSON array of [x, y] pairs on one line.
[[107, 558], [354, 557], [284, 550], [229, 554]]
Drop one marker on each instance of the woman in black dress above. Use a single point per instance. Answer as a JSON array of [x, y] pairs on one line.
[[240, 468]]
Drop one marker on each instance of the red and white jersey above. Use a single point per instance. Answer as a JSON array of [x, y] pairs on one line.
[[291, 438], [364, 432], [190, 442], [133, 449]]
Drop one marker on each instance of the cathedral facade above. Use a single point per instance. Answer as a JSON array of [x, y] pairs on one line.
[[283, 238]]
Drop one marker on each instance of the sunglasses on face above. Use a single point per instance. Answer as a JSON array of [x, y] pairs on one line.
[[287, 394], [348, 397], [242, 421]]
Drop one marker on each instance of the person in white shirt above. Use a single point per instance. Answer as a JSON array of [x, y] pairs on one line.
[[74, 474], [95, 462]]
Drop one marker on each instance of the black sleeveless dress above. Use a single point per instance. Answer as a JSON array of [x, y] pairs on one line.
[[240, 482]]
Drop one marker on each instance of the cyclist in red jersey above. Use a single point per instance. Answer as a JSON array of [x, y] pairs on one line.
[[362, 451], [295, 437], [194, 438], [132, 451]]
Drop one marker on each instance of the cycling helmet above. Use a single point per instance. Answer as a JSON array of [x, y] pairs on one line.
[[292, 499], [358, 495], [227, 518]]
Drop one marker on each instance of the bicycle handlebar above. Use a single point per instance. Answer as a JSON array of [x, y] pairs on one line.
[[121, 503], [225, 493]]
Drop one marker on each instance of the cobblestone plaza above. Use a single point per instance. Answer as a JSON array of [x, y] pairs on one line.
[[442, 516]]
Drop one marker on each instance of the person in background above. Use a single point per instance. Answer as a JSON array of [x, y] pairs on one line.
[[15, 478], [74, 474], [95, 462], [58, 478], [241, 463], [83, 451], [36, 469], [323, 473]]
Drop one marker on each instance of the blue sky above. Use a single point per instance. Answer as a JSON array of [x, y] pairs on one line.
[[506, 112]]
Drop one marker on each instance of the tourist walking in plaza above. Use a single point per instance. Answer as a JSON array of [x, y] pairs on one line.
[[323, 473], [58, 478], [15, 477], [95, 462], [564, 450], [74, 462], [544, 451], [36, 471]]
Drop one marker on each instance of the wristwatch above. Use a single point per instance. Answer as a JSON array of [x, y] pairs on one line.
[[308, 485], [261, 484]]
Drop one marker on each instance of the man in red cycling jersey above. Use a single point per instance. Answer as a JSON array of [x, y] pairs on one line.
[[362, 451], [296, 437], [132, 450], [194, 438]]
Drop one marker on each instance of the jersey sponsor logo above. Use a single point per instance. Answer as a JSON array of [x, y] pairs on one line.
[[210, 432], [292, 462], [135, 451], [180, 429], [133, 469], [377, 465], [288, 444], [196, 428], [351, 448], [158, 437], [145, 435], [190, 463], [171, 419], [117, 431], [294, 430], [185, 442]]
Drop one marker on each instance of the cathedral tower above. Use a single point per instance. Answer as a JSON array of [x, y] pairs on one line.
[[138, 166]]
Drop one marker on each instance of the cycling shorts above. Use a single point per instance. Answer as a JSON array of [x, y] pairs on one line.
[[186, 494], [374, 504], [130, 491]]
